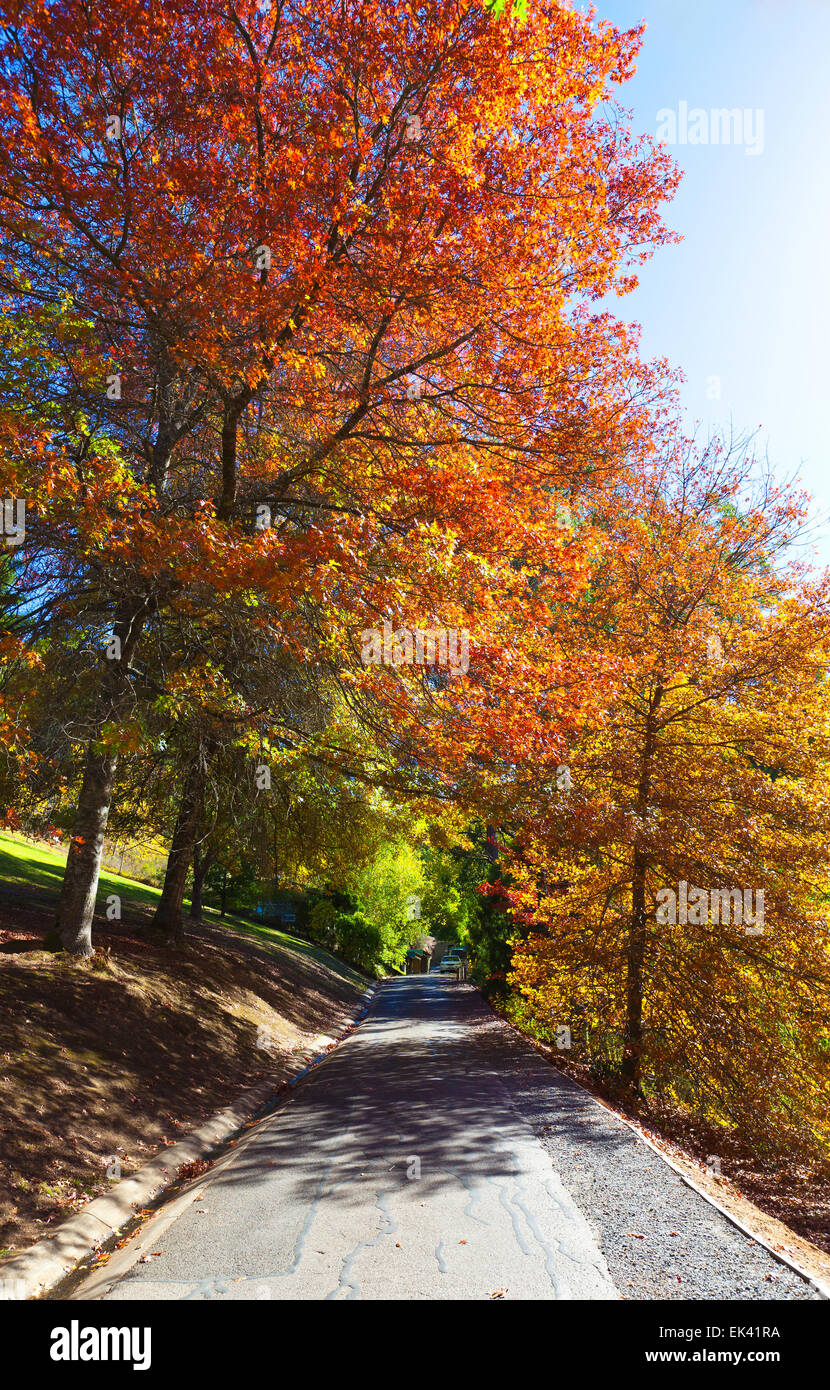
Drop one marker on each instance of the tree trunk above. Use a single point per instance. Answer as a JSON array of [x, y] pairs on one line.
[[635, 956], [234, 408], [201, 864], [637, 934], [76, 907], [168, 916], [224, 892]]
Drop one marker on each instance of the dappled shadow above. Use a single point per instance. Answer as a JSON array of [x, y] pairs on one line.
[[432, 1075], [121, 1059], [435, 1127]]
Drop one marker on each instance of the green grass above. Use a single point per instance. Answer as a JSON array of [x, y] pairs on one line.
[[37, 871]]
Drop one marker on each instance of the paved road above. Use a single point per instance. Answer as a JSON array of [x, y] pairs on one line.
[[434, 1155]]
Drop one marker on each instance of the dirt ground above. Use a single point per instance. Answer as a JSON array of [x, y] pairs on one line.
[[116, 1057]]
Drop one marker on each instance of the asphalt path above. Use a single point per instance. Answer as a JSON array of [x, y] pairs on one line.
[[435, 1155]]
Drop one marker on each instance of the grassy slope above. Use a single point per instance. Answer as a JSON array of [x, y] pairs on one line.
[[37, 870], [125, 1053]]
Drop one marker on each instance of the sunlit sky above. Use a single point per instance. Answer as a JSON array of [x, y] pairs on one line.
[[746, 296]]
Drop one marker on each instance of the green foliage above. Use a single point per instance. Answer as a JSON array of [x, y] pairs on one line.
[[348, 932], [321, 923], [237, 891], [359, 941], [389, 890], [488, 927], [449, 904], [499, 6]]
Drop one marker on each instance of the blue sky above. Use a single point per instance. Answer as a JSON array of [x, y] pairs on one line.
[[742, 305]]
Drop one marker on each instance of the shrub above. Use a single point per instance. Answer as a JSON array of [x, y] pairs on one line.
[[496, 989], [359, 941], [322, 923]]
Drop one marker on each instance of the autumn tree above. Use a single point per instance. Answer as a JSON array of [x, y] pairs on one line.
[[670, 893], [324, 266]]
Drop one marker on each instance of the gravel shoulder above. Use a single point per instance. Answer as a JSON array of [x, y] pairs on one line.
[[660, 1239]]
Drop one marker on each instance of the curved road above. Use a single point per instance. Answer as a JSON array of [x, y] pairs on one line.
[[434, 1155]]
